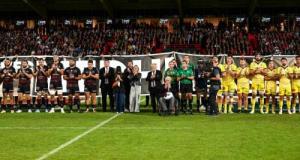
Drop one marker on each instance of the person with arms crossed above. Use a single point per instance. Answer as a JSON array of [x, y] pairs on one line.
[[257, 72], [285, 74]]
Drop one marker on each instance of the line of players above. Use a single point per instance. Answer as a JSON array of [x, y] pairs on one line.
[[235, 79], [264, 84], [52, 97]]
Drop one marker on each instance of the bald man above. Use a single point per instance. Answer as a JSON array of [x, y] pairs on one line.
[[154, 78]]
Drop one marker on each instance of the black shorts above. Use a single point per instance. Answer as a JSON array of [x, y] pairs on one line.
[[6, 88], [42, 88], [25, 89], [56, 86], [90, 88], [73, 90], [186, 88]]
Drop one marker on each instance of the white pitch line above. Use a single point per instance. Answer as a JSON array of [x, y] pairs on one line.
[[45, 156], [41, 128]]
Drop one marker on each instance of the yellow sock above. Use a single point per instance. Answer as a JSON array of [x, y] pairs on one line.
[[273, 108], [220, 106], [230, 107], [267, 108], [253, 100], [294, 105], [261, 101], [280, 104]]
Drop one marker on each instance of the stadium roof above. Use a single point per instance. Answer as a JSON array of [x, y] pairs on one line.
[[143, 8]]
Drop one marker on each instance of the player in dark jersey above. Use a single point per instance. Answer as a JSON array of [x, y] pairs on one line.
[[90, 75], [24, 75], [56, 91], [7, 75], [41, 74], [72, 75]]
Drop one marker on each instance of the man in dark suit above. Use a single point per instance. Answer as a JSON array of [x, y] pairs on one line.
[[107, 75], [154, 82]]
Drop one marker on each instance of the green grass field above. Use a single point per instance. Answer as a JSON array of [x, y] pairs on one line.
[[149, 136]]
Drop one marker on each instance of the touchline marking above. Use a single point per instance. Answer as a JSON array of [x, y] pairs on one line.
[[45, 156], [41, 128]]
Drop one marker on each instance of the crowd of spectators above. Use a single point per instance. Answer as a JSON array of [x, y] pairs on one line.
[[131, 39]]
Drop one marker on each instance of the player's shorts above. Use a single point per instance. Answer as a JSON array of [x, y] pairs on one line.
[[73, 90], [42, 88], [201, 90], [243, 88], [285, 89], [90, 88], [229, 87], [271, 88], [7, 88], [296, 86], [25, 89], [186, 88], [258, 85]]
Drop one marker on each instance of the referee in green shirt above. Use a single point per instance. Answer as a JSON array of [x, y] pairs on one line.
[[186, 77]]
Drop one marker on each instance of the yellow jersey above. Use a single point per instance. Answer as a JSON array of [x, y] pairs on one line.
[[254, 66], [243, 75], [270, 75], [229, 78], [283, 73], [296, 71]]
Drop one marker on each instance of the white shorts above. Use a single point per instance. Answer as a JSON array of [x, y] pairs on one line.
[[54, 91]]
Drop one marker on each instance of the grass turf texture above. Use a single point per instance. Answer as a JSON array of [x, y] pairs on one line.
[[148, 136]]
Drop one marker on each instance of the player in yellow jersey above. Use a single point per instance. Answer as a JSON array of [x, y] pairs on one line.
[[228, 83], [242, 75], [257, 71], [285, 74], [296, 84], [271, 86], [220, 92]]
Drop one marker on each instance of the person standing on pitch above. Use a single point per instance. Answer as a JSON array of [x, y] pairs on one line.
[[154, 78], [257, 71], [201, 84], [285, 74], [107, 76], [72, 75], [41, 74], [127, 86], [7, 74], [215, 84], [296, 84], [185, 78], [24, 75], [56, 91], [135, 90], [90, 75], [119, 90]]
